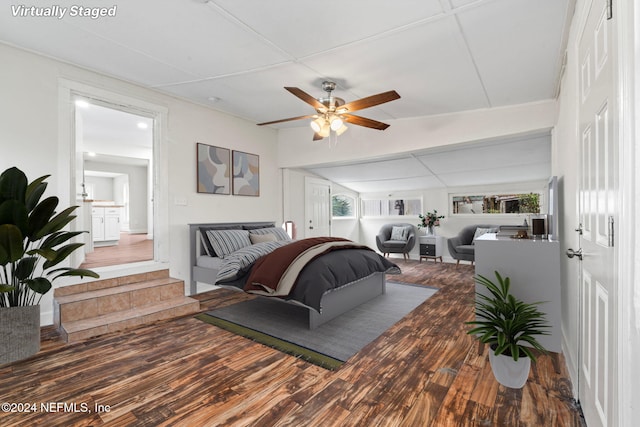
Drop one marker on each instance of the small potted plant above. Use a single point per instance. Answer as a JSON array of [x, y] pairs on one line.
[[32, 246], [430, 220], [510, 327]]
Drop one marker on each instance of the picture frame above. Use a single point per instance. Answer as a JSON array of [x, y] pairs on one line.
[[213, 169], [246, 174]]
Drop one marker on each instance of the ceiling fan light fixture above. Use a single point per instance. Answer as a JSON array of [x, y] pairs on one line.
[[336, 123], [342, 129], [317, 124], [325, 130]]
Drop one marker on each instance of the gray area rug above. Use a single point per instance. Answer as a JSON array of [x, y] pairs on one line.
[[339, 338]]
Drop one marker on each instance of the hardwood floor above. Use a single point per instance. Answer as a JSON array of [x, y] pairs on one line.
[[424, 371], [131, 248]]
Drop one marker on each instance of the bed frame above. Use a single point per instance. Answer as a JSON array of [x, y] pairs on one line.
[[334, 302]]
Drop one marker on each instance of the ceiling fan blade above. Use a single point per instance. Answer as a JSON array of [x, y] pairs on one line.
[[369, 101], [317, 137], [363, 121], [306, 98], [309, 116]]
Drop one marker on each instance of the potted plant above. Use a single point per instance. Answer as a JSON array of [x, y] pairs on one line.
[[429, 221], [510, 327], [32, 246]]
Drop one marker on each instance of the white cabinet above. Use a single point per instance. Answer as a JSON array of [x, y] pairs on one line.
[[533, 267], [105, 225]]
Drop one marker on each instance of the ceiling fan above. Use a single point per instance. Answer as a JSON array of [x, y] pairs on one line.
[[332, 112]]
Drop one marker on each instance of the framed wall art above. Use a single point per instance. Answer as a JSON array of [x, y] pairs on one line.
[[214, 169], [246, 174]]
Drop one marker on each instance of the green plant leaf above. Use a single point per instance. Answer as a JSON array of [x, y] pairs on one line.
[[61, 255], [39, 285], [40, 216], [35, 190], [11, 242], [68, 271], [13, 185], [58, 238], [14, 212], [57, 223], [6, 288], [48, 254], [25, 267]]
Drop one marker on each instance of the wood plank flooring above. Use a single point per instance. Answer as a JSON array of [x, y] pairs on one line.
[[130, 248], [424, 371]]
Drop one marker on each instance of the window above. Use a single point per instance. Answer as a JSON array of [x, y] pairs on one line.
[[391, 207], [343, 206], [496, 204]]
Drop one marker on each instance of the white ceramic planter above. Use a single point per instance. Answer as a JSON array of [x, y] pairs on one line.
[[508, 372], [19, 332]]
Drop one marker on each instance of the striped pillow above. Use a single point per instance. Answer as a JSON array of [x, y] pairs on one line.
[[225, 242], [276, 231], [237, 263]]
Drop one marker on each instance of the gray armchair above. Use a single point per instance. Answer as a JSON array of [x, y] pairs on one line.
[[461, 247], [403, 246]]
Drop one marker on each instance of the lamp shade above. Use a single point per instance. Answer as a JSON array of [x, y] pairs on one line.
[[336, 123], [317, 124]]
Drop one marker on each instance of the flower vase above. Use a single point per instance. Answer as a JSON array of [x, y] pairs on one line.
[[431, 230]]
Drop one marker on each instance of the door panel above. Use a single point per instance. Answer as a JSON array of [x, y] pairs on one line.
[[597, 192], [318, 208]]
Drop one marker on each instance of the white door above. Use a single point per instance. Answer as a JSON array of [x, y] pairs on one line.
[[317, 208], [597, 213]]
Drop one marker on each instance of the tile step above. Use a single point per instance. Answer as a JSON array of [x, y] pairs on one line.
[[104, 301], [87, 295], [118, 321], [93, 285]]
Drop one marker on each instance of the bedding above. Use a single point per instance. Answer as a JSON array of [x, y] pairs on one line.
[[306, 269]]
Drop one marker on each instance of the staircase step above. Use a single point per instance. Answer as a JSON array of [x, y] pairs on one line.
[[103, 301], [78, 330], [110, 283]]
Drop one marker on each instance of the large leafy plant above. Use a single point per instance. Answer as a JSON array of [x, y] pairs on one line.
[[32, 240], [506, 323]]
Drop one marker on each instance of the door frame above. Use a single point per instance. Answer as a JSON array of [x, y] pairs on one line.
[[68, 90], [627, 73]]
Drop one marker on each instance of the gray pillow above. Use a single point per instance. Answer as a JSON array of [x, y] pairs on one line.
[[225, 242]]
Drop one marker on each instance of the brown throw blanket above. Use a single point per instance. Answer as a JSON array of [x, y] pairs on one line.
[[275, 274]]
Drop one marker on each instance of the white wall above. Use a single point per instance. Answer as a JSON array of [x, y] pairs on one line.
[[102, 187], [295, 148], [29, 130]]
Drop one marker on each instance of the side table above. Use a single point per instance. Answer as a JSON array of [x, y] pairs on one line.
[[431, 247]]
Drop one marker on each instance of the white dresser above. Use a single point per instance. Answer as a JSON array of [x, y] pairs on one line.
[[533, 267]]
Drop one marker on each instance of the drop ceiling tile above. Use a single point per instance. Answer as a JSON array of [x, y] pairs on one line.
[[59, 39], [302, 28], [428, 65], [517, 47], [530, 150], [497, 174], [393, 185], [374, 170]]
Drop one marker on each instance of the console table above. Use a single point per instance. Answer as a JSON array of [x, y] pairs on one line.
[[533, 267], [431, 247]]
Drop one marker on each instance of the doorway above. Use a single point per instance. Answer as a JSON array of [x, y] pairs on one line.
[[114, 182]]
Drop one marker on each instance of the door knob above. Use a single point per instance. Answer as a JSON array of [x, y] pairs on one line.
[[571, 253]]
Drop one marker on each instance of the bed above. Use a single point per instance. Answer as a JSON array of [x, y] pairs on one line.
[[342, 277]]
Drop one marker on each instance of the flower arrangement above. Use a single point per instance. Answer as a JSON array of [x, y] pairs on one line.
[[430, 219]]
